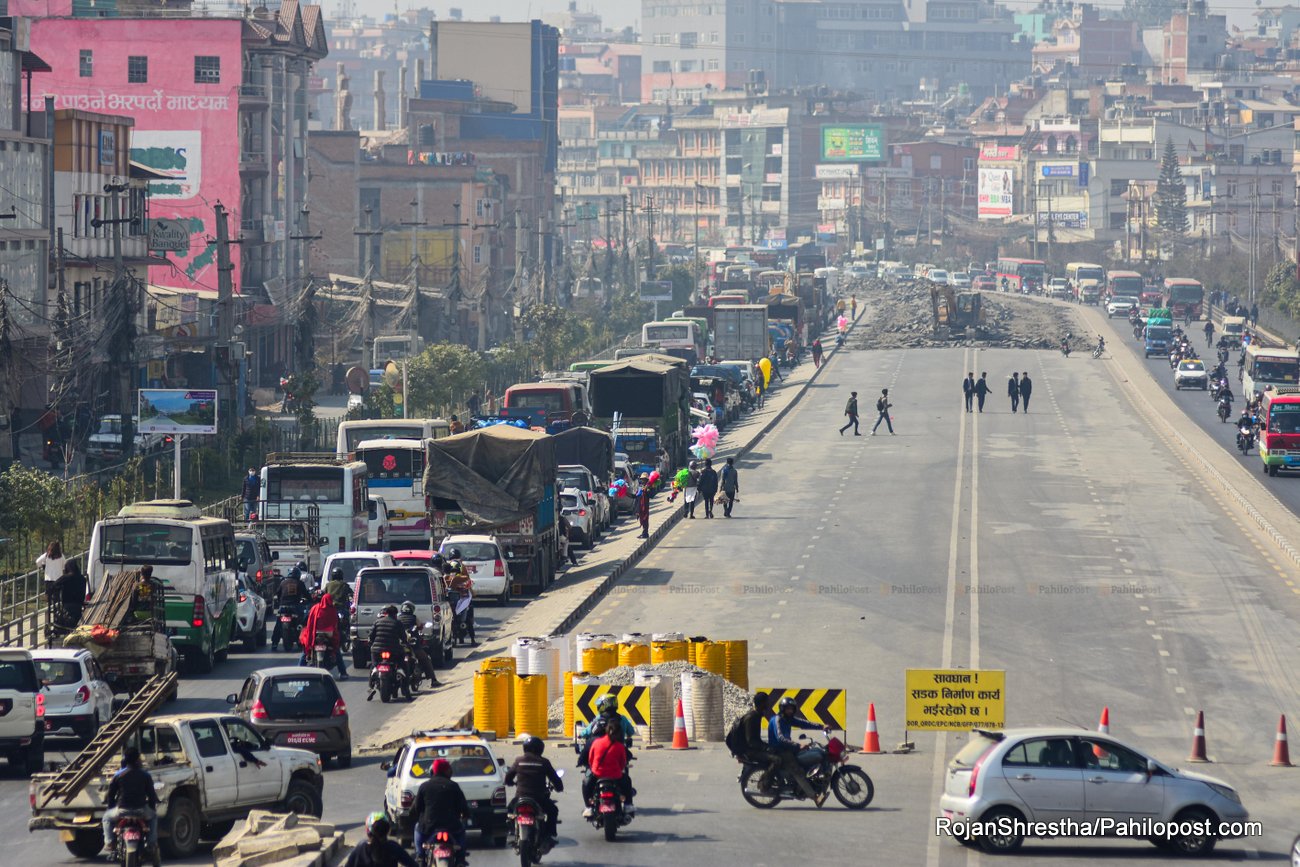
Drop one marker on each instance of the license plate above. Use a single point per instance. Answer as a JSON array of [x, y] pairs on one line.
[[471, 569], [300, 738], [382, 669], [83, 819], [286, 619], [49, 725]]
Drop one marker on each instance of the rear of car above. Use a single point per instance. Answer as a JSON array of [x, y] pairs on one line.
[[255, 562], [378, 587], [574, 508], [474, 767], [300, 708], [485, 564], [983, 283], [578, 476], [77, 698], [351, 563], [22, 711]]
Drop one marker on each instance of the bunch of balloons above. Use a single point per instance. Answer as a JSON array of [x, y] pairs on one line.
[[842, 323], [765, 367], [619, 488], [706, 441]]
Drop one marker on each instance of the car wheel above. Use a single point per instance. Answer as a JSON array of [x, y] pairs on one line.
[[91, 730], [303, 798], [588, 543], [182, 838], [202, 662], [345, 758], [1002, 843], [33, 759], [84, 844], [1194, 842]]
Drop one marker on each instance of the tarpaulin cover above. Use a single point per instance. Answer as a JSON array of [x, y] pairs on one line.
[[496, 475], [588, 446]]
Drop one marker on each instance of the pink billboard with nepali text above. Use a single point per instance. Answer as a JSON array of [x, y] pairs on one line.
[[179, 79]]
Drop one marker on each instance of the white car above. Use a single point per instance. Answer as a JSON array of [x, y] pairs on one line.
[[1191, 373], [78, 700], [857, 271], [959, 280], [1119, 305], [578, 476], [474, 767], [1001, 779], [484, 562], [377, 529], [1059, 287], [250, 616], [937, 275], [580, 515], [352, 562]]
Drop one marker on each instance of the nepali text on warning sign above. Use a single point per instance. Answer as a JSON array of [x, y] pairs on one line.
[[955, 699]]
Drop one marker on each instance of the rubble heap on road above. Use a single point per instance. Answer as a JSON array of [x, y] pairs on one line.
[[285, 839], [901, 316]]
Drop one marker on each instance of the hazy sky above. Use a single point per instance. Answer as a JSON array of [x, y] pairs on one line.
[[620, 13]]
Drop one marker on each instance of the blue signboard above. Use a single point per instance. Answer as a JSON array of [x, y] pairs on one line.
[[1058, 171], [1083, 174]]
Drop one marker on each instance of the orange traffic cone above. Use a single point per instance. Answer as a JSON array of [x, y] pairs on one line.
[[679, 729], [1281, 752], [1104, 725], [871, 741], [1198, 740]]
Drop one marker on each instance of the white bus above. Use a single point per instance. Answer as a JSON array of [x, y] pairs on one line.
[[193, 555], [679, 334], [353, 433], [1269, 368], [395, 474], [320, 487]]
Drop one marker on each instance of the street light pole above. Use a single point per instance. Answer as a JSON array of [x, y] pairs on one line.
[[699, 188]]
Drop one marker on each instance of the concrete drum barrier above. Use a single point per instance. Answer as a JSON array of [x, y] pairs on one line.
[[492, 701], [530, 705], [510, 666], [737, 662]]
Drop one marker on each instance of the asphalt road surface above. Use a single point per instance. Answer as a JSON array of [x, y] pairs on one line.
[[1070, 547]]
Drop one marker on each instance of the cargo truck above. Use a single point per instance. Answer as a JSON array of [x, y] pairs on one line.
[[645, 393], [740, 332]]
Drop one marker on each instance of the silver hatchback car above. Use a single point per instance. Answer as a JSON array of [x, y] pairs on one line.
[[1004, 786]]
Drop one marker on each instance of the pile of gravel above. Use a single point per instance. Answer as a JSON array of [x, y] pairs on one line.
[[735, 701]]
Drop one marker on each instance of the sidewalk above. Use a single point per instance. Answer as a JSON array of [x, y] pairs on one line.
[[577, 591]]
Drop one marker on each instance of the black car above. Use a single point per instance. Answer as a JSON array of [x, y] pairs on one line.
[[297, 707]]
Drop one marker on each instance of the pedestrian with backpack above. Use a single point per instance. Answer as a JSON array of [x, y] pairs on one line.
[[882, 407]]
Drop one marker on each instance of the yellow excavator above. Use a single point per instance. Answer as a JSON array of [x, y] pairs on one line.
[[955, 313]]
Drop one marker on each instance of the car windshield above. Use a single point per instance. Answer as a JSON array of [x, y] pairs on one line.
[[350, 566], [1123, 299], [472, 550], [1191, 365], [18, 674], [299, 696], [568, 501], [384, 586], [58, 672], [572, 480], [968, 755], [467, 760]]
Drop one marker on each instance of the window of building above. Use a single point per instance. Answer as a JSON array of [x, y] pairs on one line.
[[689, 40], [712, 64], [936, 162], [87, 63], [740, 39], [137, 69], [968, 164], [1277, 188], [207, 69], [478, 254], [662, 66], [1118, 186], [688, 169], [1231, 189], [686, 66], [713, 37]]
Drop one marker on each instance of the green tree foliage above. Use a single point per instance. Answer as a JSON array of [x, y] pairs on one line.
[[1282, 289], [1150, 13], [683, 286], [33, 501], [303, 385], [554, 332], [1171, 193], [438, 377]]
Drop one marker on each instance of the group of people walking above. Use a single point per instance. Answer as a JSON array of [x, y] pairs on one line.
[[1019, 388], [882, 413], [700, 482]]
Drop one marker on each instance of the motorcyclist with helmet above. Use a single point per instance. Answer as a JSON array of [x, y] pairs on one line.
[[340, 591], [440, 805], [386, 634], [461, 586], [412, 628], [377, 850], [608, 717], [608, 759], [780, 742], [293, 593], [534, 776]]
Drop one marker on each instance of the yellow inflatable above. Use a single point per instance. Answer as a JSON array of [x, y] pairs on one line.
[[765, 365]]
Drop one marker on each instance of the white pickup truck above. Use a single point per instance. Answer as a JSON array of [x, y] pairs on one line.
[[204, 782]]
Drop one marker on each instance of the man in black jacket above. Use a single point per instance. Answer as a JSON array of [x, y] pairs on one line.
[[412, 628], [386, 634], [708, 486], [1026, 389], [968, 389], [439, 805], [534, 776], [131, 790], [1013, 390], [982, 390]]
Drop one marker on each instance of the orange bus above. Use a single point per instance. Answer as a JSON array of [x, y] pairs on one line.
[[1021, 275]]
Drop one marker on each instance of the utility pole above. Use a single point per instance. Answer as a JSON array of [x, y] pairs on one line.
[[414, 312], [699, 188], [454, 290], [609, 247], [485, 295], [1254, 237], [367, 288], [649, 210], [123, 354], [629, 277], [1295, 227]]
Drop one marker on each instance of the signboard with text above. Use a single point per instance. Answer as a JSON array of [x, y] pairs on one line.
[[178, 411], [996, 191], [169, 236], [994, 153], [850, 144], [954, 699]]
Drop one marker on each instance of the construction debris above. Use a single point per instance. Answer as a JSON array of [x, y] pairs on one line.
[[285, 839]]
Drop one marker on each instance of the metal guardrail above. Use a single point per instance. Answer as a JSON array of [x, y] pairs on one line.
[[22, 597]]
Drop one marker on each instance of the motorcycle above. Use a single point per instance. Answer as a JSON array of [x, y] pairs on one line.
[[411, 667], [1065, 348], [1099, 349], [287, 627], [609, 812], [386, 677], [1245, 438], [442, 851], [528, 821], [462, 606], [129, 836], [322, 650], [1225, 407], [827, 766]]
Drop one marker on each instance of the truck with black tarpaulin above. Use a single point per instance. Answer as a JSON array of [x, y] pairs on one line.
[[498, 481], [645, 393]]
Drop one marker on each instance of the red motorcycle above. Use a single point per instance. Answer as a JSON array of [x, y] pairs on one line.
[[130, 836]]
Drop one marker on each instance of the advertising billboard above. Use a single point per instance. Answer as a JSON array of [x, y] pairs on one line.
[[853, 144], [185, 129], [995, 153], [996, 188], [656, 290], [178, 411]]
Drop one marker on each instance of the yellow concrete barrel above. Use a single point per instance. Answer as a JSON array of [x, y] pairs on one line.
[[568, 704], [531, 705], [711, 656], [509, 665], [598, 660], [492, 702], [633, 654], [737, 662], [668, 651], [692, 643]]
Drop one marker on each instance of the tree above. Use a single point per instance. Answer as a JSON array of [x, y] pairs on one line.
[[1171, 193], [555, 333], [1150, 13], [439, 376], [1282, 289]]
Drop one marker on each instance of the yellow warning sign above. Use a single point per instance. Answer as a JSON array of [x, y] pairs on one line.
[[633, 702], [822, 706], [955, 699]]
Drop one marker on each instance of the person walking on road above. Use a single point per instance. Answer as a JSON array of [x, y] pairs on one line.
[[51, 565], [1209, 332], [1026, 389], [817, 352], [882, 407], [968, 389], [250, 492], [708, 486], [982, 389], [851, 410], [853, 306], [643, 505], [691, 489], [1013, 391], [1254, 315], [730, 484]]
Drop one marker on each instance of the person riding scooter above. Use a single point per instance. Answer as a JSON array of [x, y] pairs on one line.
[[412, 627], [460, 586], [291, 593], [534, 776]]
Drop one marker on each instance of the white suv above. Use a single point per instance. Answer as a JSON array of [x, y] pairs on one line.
[[581, 516], [484, 563], [478, 772], [77, 698], [22, 711], [1002, 779]]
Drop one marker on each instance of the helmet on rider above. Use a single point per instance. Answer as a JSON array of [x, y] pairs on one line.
[[607, 704], [336, 574], [408, 607], [454, 553], [762, 701], [441, 768], [436, 560], [533, 746], [377, 825], [787, 703]]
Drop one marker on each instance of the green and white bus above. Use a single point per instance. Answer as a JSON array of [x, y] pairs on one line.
[[192, 555]]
